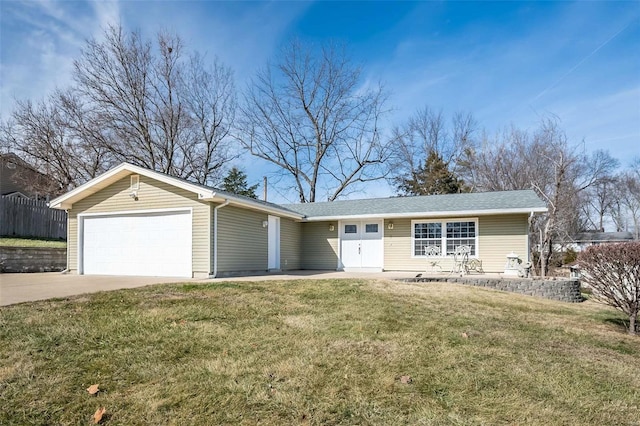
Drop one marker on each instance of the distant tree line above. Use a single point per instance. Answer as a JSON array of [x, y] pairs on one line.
[[317, 119]]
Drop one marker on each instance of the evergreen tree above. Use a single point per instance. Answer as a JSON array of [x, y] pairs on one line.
[[236, 183], [433, 178]]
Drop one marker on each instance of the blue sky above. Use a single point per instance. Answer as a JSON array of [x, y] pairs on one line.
[[505, 62]]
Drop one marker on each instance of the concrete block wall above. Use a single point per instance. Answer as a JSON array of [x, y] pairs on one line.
[[32, 259], [564, 290]]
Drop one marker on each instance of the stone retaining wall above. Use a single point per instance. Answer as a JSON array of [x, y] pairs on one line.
[[32, 259], [563, 289]]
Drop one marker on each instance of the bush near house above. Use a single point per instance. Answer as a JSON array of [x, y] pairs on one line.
[[613, 272]]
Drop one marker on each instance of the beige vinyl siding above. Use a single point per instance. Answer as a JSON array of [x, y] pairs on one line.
[[152, 195], [398, 247], [501, 235], [319, 246], [497, 236], [290, 244], [242, 241]]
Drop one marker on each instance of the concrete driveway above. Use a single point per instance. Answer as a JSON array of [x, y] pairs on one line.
[[17, 288]]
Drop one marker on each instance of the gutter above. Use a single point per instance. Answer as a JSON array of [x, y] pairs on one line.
[[255, 206], [425, 215], [215, 237]]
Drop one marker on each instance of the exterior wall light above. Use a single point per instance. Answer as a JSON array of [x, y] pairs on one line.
[[390, 225], [265, 223], [331, 227]]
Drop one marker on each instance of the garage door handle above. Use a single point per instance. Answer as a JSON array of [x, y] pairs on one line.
[[359, 245]]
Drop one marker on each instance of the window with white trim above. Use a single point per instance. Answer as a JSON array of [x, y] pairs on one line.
[[446, 234]]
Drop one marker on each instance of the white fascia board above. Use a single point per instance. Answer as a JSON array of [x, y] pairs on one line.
[[66, 201], [455, 213], [248, 204]]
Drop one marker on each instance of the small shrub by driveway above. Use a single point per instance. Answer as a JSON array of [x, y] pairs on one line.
[[316, 352]]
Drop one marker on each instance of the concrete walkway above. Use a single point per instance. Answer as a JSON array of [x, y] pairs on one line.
[[18, 288]]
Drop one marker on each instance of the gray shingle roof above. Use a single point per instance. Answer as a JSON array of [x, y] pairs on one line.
[[471, 203]]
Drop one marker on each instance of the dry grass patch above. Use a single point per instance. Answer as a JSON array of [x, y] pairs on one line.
[[31, 242], [316, 352]]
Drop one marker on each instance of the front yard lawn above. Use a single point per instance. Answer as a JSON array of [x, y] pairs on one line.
[[317, 352]]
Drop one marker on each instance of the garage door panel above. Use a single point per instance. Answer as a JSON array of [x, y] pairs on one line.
[[152, 244]]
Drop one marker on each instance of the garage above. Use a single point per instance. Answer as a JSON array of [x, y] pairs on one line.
[[154, 243]]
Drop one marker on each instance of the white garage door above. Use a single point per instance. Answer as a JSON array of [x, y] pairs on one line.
[[150, 244]]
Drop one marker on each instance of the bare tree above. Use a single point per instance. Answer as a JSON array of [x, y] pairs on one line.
[[314, 117], [627, 200], [427, 133], [546, 162], [43, 136], [157, 107], [148, 104], [600, 202]]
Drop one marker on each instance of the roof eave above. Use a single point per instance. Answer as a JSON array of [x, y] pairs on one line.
[[252, 205], [453, 213]]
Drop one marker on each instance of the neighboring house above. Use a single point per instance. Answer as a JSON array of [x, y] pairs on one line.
[[583, 240], [133, 221], [19, 179]]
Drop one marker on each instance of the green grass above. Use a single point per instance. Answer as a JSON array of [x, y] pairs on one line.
[[317, 352], [31, 242]]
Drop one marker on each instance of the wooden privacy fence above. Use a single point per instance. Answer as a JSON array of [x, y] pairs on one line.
[[22, 217]]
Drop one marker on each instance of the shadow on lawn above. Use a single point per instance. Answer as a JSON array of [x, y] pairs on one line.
[[619, 323]]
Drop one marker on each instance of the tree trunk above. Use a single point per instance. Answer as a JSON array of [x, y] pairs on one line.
[[633, 321]]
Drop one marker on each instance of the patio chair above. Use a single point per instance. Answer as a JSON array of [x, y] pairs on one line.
[[475, 265], [433, 258], [461, 260]]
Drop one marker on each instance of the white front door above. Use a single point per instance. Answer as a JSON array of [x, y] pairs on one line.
[[361, 246], [351, 246], [273, 227]]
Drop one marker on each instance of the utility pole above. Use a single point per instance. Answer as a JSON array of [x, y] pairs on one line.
[[264, 185]]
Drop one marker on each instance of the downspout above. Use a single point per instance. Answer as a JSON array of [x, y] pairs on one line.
[[66, 270], [215, 237], [529, 237]]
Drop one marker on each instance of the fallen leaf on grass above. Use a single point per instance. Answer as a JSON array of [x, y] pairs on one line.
[[97, 416], [465, 335], [405, 379], [93, 389]]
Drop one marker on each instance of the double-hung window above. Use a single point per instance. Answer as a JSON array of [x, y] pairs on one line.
[[426, 234], [445, 234]]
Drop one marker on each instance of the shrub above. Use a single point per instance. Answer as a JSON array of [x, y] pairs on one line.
[[613, 272], [570, 256]]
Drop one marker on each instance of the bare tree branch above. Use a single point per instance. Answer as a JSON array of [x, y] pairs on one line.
[[311, 115]]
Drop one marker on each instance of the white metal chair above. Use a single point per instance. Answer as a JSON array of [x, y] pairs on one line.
[[433, 258], [461, 260]]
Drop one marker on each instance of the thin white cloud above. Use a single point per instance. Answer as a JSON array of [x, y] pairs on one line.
[[45, 37], [107, 13], [582, 61]]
